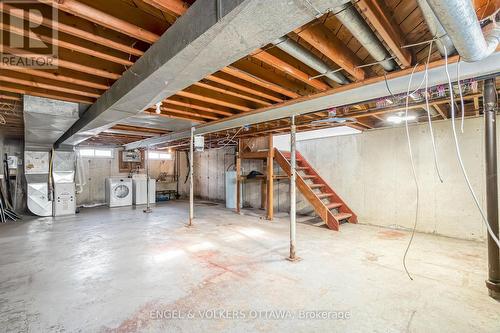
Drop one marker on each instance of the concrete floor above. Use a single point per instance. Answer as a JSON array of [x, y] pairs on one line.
[[119, 270]]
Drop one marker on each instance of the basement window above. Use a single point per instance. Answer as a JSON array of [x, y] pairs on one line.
[[96, 153], [155, 155]]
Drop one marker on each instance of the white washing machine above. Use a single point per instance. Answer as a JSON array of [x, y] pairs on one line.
[[140, 190], [118, 191]]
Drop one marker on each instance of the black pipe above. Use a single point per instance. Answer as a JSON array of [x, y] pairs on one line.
[[490, 105]]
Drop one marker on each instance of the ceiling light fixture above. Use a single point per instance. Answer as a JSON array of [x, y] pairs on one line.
[[158, 108], [400, 119]]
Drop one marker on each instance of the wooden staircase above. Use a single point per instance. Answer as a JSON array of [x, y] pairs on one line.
[[326, 203]]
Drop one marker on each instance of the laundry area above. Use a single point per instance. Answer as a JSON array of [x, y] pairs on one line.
[[249, 166]]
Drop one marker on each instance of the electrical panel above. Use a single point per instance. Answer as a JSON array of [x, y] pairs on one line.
[[199, 143], [133, 156]]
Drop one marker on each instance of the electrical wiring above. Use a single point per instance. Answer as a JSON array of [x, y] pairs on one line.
[[431, 130], [229, 140], [459, 156], [461, 96], [417, 188]]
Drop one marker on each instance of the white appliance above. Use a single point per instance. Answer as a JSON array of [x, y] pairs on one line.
[[64, 199], [231, 190], [140, 190], [118, 191]]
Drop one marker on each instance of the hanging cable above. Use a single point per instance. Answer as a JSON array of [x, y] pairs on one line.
[[431, 130], [461, 96], [413, 171], [459, 156]]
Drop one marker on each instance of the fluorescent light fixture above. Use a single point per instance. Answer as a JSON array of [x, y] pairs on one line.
[[158, 108], [400, 119]]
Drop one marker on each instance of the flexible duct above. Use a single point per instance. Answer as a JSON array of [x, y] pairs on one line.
[[305, 56], [354, 22], [444, 43], [458, 18]]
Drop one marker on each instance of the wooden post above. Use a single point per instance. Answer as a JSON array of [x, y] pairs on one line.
[[238, 177], [270, 179]]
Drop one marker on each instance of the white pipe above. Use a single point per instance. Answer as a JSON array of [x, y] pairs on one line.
[[459, 19], [305, 56], [436, 29], [348, 15], [293, 175]]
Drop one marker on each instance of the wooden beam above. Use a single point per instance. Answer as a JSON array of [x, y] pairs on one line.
[[104, 19], [61, 63], [243, 88], [255, 80], [55, 76], [232, 93], [10, 98], [175, 116], [45, 94], [439, 110], [325, 41], [213, 100], [177, 7], [65, 45], [34, 17], [35, 84], [191, 113], [379, 16], [283, 66], [197, 107]]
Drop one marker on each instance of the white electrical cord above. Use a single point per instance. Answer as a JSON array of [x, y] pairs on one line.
[[459, 156], [431, 130], [461, 96], [417, 188]]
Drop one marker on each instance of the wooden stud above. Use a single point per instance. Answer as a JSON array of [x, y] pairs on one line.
[[322, 39], [255, 80], [177, 7], [379, 16], [37, 19], [283, 66], [104, 19]]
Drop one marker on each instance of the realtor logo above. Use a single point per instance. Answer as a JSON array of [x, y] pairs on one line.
[[28, 34]]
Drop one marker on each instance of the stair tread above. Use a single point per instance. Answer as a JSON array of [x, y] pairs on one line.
[[302, 168], [324, 195], [333, 205], [309, 176], [317, 185], [342, 216]]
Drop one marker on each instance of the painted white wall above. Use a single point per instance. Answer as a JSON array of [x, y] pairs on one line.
[[282, 142], [372, 173], [96, 170]]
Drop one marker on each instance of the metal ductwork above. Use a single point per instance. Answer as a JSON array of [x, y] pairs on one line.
[[45, 120], [444, 43], [307, 57], [354, 22], [459, 19]]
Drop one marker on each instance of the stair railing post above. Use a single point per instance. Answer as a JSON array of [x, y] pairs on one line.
[[293, 165]]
